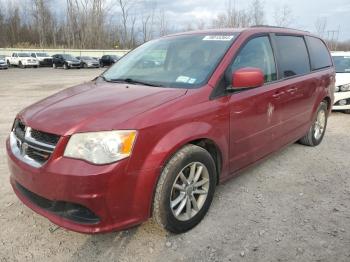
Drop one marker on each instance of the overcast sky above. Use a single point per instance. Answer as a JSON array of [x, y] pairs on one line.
[[304, 12], [183, 12]]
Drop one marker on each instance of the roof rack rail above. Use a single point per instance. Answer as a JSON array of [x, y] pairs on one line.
[[282, 27]]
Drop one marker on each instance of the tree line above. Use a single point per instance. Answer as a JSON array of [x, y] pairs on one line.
[[105, 24]]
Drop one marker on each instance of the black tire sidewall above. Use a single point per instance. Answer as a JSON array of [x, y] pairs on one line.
[[169, 220]]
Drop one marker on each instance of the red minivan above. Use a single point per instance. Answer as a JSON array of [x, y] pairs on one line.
[[154, 134]]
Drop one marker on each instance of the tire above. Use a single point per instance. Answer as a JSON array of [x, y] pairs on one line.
[[85, 65], [21, 65], [316, 132], [166, 192], [347, 111], [54, 66], [8, 63], [65, 66]]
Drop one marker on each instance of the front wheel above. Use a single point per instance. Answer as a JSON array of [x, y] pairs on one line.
[[317, 130], [65, 66], [185, 189], [21, 65]]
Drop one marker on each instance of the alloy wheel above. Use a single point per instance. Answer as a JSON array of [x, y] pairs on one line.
[[189, 191], [320, 124]]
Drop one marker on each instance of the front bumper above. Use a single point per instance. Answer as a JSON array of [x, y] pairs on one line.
[[95, 65], [46, 62], [26, 63], [76, 65], [3, 66], [118, 199], [341, 96]]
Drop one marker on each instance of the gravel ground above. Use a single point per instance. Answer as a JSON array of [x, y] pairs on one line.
[[295, 206]]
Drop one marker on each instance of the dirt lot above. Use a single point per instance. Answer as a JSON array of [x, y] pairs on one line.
[[295, 206]]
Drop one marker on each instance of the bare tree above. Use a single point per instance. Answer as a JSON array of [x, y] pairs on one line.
[[163, 23], [321, 26], [283, 16], [257, 12], [233, 17]]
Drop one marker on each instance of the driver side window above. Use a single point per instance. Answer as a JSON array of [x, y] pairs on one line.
[[257, 53]]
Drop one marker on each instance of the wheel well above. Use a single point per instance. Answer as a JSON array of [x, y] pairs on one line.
[[328, 101], [213, 150]]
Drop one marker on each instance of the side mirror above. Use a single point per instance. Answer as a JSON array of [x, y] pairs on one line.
[[247, 77]]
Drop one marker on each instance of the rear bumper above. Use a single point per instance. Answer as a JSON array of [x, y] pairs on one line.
[[116, 198]]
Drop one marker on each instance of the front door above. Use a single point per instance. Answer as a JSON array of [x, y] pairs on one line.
[[253, 114]]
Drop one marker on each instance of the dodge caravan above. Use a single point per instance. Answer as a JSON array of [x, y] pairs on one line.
[[154, 141]]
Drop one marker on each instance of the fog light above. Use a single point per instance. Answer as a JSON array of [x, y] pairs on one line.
[[342, 102]]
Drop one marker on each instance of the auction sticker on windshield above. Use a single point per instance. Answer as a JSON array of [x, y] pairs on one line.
[[218, 37]]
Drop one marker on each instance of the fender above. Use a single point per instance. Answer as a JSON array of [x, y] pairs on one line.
[[170, 142]]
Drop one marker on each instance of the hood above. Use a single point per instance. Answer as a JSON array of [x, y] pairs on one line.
[[95, 107], [342, 79], [44, 57]]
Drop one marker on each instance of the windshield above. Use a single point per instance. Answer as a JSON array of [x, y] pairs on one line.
[[68, 57], [185, 61], [42, 55], [342, 64], [23, 55]]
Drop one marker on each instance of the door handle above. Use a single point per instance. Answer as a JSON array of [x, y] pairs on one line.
[[278, 95], [292, 90]]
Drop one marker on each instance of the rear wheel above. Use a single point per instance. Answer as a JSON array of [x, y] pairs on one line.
[[317, 130], [185, 189]]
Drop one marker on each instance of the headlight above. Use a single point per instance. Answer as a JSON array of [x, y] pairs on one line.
[[345, 88], [101, 147]]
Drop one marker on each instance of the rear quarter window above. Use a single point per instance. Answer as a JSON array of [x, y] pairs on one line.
[[293, 58], [319, 54]]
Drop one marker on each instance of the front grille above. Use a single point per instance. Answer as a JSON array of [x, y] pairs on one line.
[[32, 146], [45, 137]]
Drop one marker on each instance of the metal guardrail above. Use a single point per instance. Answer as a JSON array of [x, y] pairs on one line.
[[74, 52]]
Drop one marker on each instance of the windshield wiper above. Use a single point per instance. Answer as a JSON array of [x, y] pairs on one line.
[[133, 81]]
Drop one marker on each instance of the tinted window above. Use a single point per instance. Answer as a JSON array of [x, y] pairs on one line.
[[319, 54], [292, 55], [257, 53]]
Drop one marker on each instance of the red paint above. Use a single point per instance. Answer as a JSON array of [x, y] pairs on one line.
[[247, 77], [245, 126]]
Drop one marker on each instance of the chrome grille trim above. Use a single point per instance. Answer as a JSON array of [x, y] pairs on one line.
[[28, 149]]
